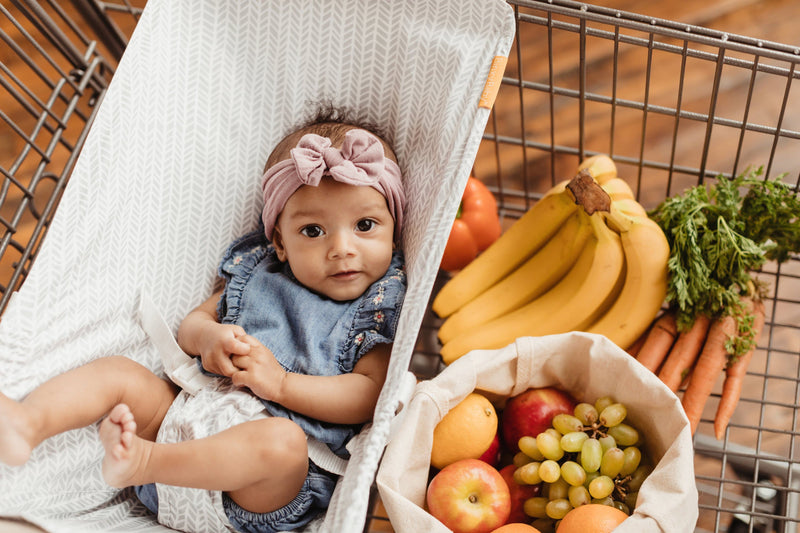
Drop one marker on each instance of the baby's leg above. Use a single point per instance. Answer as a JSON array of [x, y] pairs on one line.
[[261, 464], [79, 398]]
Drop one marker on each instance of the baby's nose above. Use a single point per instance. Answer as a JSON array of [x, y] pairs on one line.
[[342, 245]]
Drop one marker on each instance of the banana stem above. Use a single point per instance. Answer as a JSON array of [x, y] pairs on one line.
[[588, 193]]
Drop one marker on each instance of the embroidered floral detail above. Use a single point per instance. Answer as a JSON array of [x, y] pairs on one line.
[[239, 257], [380, 288], [379, 317], [400, 274], [360, 338], [378, 298]]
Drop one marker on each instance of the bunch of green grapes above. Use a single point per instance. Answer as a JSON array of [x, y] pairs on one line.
[[591, 456]]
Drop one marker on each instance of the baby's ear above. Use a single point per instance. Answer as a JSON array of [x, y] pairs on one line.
[[277, 243]]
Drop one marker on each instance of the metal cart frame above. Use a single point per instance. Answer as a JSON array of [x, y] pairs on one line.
[[581, 80]]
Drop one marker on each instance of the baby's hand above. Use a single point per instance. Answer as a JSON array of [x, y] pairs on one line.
[[259, 371], [219, 344]]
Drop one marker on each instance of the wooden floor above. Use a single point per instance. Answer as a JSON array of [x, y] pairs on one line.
[[553, 119], [773, 20]]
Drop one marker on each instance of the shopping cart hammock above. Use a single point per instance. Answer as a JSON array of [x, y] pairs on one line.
[[169, 175]]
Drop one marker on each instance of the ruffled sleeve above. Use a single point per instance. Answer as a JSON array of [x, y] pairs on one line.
[[379, 311], [237, 264]]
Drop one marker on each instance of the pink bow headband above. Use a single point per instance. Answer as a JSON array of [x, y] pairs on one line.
[[359, 162]]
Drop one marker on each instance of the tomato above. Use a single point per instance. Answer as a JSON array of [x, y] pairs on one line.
[[476, 226]]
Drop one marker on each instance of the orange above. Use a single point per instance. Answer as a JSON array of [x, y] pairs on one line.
[[516, 528], [465, 432], [591, 518]]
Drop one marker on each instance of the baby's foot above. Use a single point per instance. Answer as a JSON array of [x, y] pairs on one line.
[[15, 447], [125, 452]]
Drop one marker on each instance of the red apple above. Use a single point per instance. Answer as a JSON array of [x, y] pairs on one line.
[[531, 412], [519, 493], [469, 496], [492, 454]]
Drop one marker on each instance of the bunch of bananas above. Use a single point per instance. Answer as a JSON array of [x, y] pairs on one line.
[[583, 258]]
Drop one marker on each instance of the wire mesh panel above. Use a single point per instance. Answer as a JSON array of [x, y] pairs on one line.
[[675, 106], [53, 72], [111, 22]]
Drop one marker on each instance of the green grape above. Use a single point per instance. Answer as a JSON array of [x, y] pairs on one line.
[[591, 455], [550, 446], [603, 402], [553, 431], [573, 473], [612, 463], [608, 500], [558, 509], [586, 413], [520, 459], [535, 506], [624, 434], [589, 477], [630, 499], [622, 507], [601, 487], [613, 415], [607, 442], [558, 490], [572, 441], [549, 471], [579, 496], [638, 477], [544, 525], [528, 474], [564, 423], [632, 457], [528, 446]]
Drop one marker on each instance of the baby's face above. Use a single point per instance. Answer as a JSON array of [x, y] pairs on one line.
[[337, 238]]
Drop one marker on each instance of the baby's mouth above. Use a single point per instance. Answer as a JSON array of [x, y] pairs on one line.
[[346, 274]]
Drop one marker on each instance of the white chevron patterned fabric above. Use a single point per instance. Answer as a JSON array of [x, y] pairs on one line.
[[170, 174]]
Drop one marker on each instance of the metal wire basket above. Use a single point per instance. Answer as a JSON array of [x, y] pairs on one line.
[[53, 72], [674, 105]]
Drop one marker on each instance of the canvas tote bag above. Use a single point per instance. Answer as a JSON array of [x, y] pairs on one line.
[[587, 366]]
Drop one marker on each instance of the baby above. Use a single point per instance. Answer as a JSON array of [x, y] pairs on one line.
[[304, 322]]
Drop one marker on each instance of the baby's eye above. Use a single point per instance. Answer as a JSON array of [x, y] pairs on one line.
[[312, 231], [365, 224]]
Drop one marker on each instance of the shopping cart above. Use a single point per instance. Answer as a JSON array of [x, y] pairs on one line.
[[674, 105]]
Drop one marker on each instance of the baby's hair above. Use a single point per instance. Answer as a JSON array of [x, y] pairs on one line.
[[329, 121]]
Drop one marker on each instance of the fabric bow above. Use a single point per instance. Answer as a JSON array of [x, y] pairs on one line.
[[359, 162]]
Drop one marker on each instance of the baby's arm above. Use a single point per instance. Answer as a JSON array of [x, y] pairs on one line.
[[201, 334], [343, 399]]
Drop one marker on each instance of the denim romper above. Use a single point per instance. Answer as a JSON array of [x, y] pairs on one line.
[[263, 297], [307, 332]]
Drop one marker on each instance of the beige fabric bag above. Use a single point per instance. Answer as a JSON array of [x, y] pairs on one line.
[[588, 366]]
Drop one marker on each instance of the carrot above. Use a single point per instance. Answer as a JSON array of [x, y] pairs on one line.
[[709, 366], [658, 341], [633, 349], [684, 352], [735, 372]]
